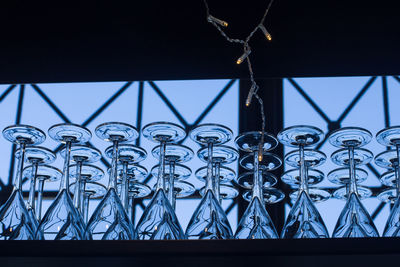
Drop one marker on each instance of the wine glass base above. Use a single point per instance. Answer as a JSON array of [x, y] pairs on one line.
[[221, 154], [135, 173], [44, 172], [24, 133], [89, 172], [389, 136], [341, 176], [210, 132], [270, 195], [388, 196], [181, 172], [313, 158], [128, 153], [225, 191], [350, 136], [269, 162], [120, 131], [225, 174], [95, 190], [316, 195], [176, 153], [292, 177], [249, 141], [388, 178], [75, 133], [83, 153], [361, 157], [387, 159], [300, 134], [183, 189], [138, 190], [246, 180], [37, 154], [341, 193], [164, 131]]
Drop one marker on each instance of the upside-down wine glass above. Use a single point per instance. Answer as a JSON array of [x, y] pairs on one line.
[[15, 221], [35, 155], [159, 220], [209, 220], [354, 220], [304, 220], [110, 221], [391, 160], [256, 222], [44, 173], [62, 220], [127, 154], [81, 154]]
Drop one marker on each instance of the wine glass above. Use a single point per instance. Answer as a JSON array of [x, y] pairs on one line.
[[15, 221], [84, 173], [136, 190], [62, 221], [256, 222], [159, 220], [35, 155], [81, 154], [304, 220], [110, 221], [91, 190], [354, 220], [391, 160], [44, 173], [127, 154], [173, 154], [209, 220]]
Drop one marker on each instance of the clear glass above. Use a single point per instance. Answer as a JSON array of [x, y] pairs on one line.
[[15, 220], [110, 221], [62, 220]]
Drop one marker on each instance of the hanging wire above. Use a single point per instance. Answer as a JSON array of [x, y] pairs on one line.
[[218, 23]]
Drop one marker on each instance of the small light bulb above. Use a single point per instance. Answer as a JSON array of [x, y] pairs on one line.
[[218, 21], [243, 57], [250, 95], [260, 152], [266, 33]]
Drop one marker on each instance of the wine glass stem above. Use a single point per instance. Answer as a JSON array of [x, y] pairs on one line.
[[18, 180], [257, 179], [209, 179], [82, 194], [85, 210], [113, 174], [161, 170], [352, 169], [303, 170], [31, 199], [171, 181], [65, 177], [216, 179], [124, 185], [397, 170], [78, 185], [174, 201], [39, 200], [130, 208]]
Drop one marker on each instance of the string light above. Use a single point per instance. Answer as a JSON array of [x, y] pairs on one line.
[[245, 56], [219, 21], [266, 33]]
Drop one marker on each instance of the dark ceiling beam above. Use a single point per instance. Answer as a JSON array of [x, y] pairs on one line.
[[157, 40]]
